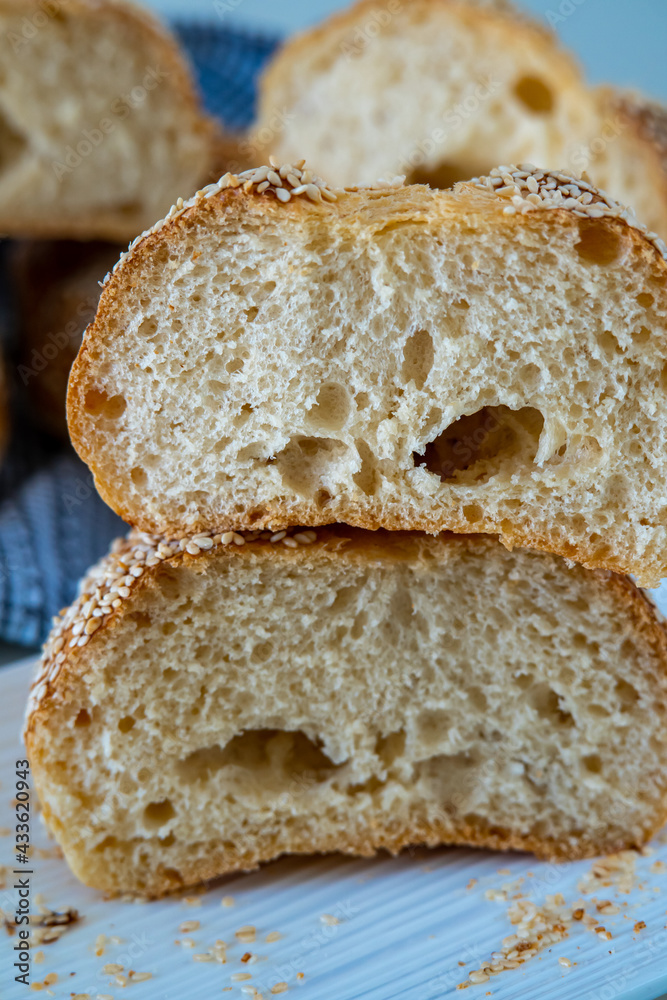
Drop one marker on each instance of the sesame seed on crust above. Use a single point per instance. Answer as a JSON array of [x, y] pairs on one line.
[[526, 188], [109, 584]]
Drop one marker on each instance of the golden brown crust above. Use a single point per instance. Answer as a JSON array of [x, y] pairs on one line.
[[492, 201], [644, 625], [161, 48]]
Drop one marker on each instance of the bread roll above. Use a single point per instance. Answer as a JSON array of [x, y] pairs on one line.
[[492, 359], [443, 90], [239, 698], [100, 125], [58, 288]]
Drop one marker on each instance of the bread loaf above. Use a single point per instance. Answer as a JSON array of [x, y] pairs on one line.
[[58, 287], [207, 706], [100, 126], [492, 359], [443, 90]]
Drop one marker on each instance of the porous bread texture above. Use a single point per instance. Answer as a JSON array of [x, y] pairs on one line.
[[485, 360], [443, 90], [100, 126], [364, 691]]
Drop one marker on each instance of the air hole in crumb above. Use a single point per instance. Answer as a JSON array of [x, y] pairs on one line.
[[322, 498], [390, 747], [480, 445], [418, 356], [645, 300], [148, 327], [126, 723], [366, 477], [235, 365], [99, 404], [598, 244], [626, 693], [138, 476], [547, 704], [592, 763], [157, 814], [362, 399], [641, 336], [432, 728], [83, 718], [305, 462], [534, 93], [331, 408], [446, 175], [273, 754]]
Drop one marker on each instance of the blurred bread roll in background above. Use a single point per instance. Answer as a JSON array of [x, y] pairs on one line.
[[444, 90]]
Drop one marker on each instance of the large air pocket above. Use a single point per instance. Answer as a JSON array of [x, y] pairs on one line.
[[494, 440]]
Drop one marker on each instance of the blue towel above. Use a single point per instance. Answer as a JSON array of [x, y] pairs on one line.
[[53, 525]]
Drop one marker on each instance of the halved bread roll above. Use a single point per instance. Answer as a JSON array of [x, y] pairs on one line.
[[207, 706], [100, 125], [492, 359], [443, 90]]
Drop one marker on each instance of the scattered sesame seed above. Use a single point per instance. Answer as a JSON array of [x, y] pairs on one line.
[[141, 977], [189, 925], [329, 920], [279, 988], [111, 968], [238, 977], [227, 901], [246, 934], [273, 936], [565, 962], [202, 957], [38, 957]]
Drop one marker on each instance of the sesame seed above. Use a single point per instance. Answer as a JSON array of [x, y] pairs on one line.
[[279, 988], [141, 977], [238, 977], [283, 195], [246, 934], [478, 977], [565, 962], [273, 936], [329, 920], [189, 925], [111, 968], [202, 956], [227, 901]]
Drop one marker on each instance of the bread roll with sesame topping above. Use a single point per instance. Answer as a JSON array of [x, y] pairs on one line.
[[101, 127], [492, 359], [208, 706], [443, 90]]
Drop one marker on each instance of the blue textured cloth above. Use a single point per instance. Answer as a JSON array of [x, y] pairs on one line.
[[53, 525]]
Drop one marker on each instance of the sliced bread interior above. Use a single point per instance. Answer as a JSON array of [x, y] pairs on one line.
[[209, 705], [492, 359]]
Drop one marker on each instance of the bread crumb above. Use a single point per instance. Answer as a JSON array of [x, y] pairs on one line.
[[639, 926], [227, 901]]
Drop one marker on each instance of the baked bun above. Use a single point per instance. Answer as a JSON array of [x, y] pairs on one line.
[[101, 128], [239, 698], [58, 288], [492, 359], [443, 90]]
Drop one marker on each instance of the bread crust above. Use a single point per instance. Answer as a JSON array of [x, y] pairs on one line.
[[64, 665], [344, 216], [114, 225]]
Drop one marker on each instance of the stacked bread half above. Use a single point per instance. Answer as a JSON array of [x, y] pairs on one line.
[[387, 452]]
